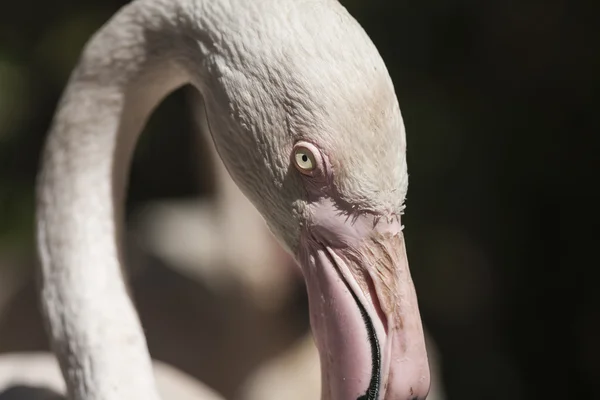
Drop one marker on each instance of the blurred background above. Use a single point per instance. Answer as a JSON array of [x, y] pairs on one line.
[[499, 100]]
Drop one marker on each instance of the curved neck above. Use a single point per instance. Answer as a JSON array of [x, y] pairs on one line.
[[134, 61]]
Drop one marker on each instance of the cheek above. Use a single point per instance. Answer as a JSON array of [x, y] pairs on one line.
[[317, 189], [287, 223], [329, 225]]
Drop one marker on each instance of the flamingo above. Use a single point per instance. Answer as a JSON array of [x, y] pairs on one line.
[[304, 116], [36, 376], [208, 239]]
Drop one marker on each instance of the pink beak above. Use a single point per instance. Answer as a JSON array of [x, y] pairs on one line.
[[364, 311]]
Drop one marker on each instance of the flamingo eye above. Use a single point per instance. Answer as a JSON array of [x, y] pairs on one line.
[[304, 159]]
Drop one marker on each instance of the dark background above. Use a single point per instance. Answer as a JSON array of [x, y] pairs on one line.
[[499, 100]]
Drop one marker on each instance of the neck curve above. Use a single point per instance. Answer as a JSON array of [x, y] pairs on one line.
[[127, 68]]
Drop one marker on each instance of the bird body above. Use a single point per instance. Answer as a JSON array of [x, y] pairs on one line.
[[304, 116], [38, 374]]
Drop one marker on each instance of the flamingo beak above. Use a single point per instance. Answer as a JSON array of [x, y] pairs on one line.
[[364, 312]]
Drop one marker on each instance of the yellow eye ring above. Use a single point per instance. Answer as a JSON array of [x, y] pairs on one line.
[[306, 158]]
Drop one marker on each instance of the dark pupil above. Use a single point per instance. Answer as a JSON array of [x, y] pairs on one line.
[[304, 157]]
